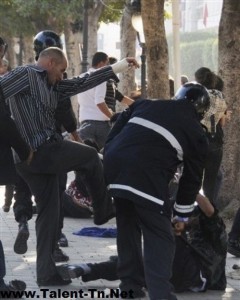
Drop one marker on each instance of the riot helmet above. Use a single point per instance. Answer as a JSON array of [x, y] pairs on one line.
[[45, 39], [197, 95]]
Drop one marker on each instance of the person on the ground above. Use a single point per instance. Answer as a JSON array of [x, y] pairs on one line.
[[33, 92], [147, 143], [199, 260]]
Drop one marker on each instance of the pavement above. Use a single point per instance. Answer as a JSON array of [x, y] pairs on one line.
[[82, 250]]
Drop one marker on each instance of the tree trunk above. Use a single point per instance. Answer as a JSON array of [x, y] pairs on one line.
[[94, 14], [73, 41], [156, 47], [28, 50], [128, 48], [229, 70]]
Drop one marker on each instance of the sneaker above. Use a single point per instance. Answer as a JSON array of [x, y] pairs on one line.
[[63, 242], [70, 271], [20, 245], [60, 256], [234, 247]]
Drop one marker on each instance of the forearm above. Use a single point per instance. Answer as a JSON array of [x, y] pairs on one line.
[[105, 110]]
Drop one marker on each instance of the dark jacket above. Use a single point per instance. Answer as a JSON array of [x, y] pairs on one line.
[[147, 143], [9, 137]]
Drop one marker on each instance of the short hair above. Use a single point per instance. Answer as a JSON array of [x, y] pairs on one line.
[[56, 53], [112, 60], [206, 77], [99, 57]]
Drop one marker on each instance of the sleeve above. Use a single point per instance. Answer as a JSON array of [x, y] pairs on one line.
[[64, 115], [10, 135], [100, 92], [79, 84], [121, 121], [191, 180], [14, 82]]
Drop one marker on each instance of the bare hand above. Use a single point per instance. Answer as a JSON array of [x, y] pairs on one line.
[[132, 62]]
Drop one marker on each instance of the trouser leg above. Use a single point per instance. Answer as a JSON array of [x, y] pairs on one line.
[[235, 230], [45, 188], [130, 262], [104, 270], [159, 248], [2, 264], [23, 200]]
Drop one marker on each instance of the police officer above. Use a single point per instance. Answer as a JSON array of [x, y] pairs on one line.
[[149, 140]]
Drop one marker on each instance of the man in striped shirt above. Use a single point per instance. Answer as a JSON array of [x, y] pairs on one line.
[[32, 93]]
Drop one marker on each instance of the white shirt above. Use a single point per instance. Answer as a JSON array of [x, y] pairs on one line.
[[88, 101]]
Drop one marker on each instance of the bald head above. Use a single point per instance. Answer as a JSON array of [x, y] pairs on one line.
[[54, 61]]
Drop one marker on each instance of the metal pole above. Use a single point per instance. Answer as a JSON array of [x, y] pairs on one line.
[[143, 71], [176, 43], [84, 62]]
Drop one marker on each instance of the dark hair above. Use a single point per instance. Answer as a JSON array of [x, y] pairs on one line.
[[99, 57], [206, 77], [184, 79], [112, 60]]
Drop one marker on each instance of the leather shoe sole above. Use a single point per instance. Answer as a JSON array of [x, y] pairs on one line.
[[20, 245]]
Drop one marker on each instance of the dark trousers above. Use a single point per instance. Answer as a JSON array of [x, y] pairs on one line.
[[50, 160], [2, 264], [235, 230], [212, 166], [133, 221]]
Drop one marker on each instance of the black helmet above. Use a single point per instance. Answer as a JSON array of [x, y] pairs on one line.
[[196, 94], [45, 39]]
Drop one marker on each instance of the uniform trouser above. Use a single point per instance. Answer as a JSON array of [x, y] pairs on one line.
[[42, 176], [133, 221], [235, 230]]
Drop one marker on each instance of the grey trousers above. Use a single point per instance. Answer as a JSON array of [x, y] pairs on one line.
[[42, 175]]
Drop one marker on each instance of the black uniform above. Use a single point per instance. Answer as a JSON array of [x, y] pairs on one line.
[[143, 150]]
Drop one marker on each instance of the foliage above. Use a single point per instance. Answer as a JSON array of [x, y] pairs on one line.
[[113, 10]]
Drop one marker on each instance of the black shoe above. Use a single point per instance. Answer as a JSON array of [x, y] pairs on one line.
[[234, 247], [63, 242], [53, 280], [6, 208], [20, 245], [13, 288], [60, 256], [70, 271]]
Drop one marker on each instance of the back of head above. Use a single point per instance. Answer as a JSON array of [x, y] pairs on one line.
[[197, 95], [99, 57], [45, 39], [184, 79], [112, 60], [206, 77]]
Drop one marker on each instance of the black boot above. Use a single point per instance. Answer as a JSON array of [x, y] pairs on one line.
[[20, 245]]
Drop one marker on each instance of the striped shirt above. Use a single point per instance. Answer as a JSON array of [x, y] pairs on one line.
[[33, 102]]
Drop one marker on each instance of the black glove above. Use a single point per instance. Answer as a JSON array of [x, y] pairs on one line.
[[114, 117]]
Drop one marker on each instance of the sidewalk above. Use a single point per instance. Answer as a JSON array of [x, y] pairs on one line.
[[82, 249]]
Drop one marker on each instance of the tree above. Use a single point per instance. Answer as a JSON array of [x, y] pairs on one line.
[[157, 50], [229, 69]]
